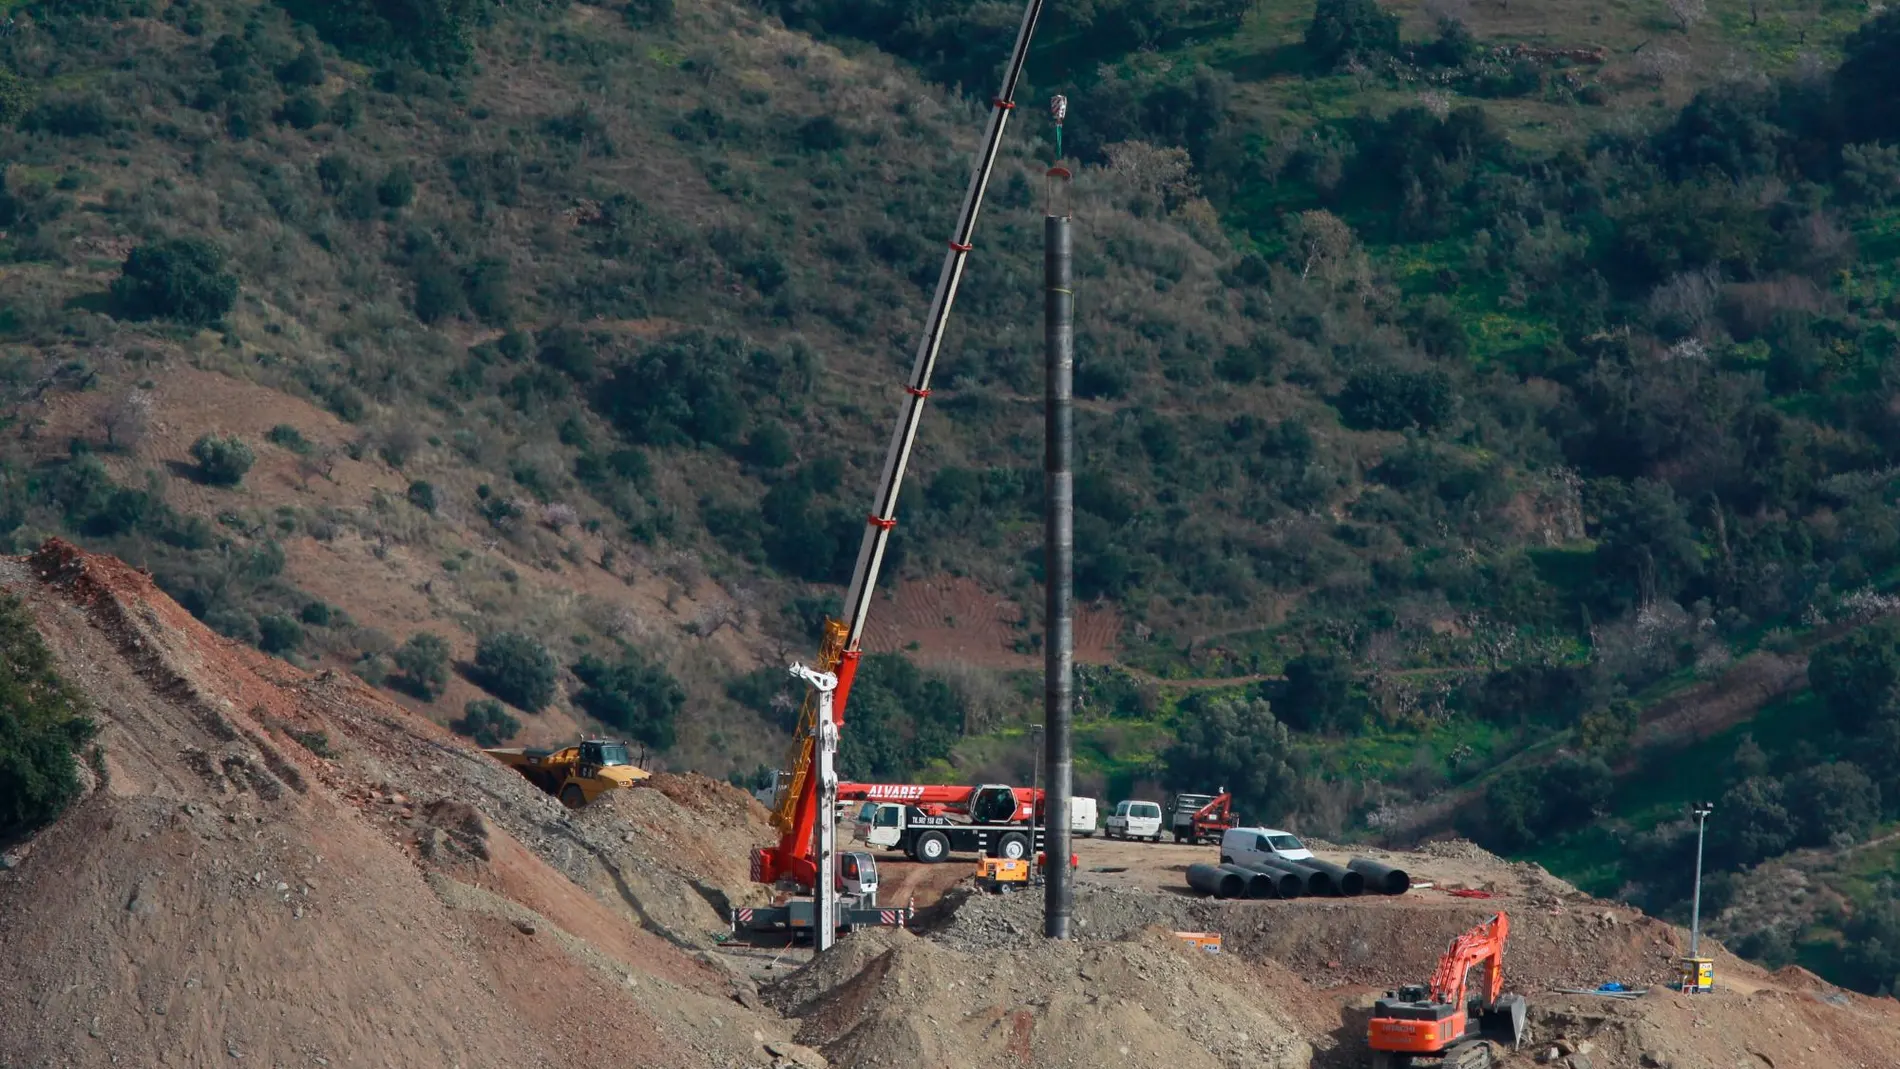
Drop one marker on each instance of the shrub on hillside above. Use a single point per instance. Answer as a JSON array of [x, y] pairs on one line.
[[397, 189], [42, 728], [288, 437], [302, 111], [1350, 28], [278, 634], [632, 694], [1239, 744], [70, 115], [485, 721], [642, 14], [1319, 695], [304, 71], [16, 98], [182, 279], [517, 669], [423, 662], [1389, 399], [1856, 676], [1524, 805], [902, 717], [222, 461], [433, 34]]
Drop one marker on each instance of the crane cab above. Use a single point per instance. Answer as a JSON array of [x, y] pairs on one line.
[[857, 876]]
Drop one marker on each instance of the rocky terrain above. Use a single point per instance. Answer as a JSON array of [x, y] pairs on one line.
[[282, 868]]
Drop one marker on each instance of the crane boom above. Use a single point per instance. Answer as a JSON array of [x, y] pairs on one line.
[[795, 815]]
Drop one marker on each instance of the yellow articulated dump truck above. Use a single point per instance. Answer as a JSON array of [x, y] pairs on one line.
[[575, 774]]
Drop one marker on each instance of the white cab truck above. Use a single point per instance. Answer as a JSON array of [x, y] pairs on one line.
[[1134, 819], [1082, 817], [932, 837], [1250, 846]]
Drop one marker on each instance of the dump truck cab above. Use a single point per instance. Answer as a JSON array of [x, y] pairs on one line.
[[575, 774]]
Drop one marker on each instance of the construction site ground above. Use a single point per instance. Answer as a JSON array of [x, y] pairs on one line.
[[272, 867]]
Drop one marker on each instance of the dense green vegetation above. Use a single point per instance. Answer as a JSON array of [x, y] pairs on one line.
[[486, 721], [43, 726], [517, 669]]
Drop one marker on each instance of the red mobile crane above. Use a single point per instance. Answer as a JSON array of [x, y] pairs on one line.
[[929, 823], [990, 802], [795, 816], [1447, 1024]]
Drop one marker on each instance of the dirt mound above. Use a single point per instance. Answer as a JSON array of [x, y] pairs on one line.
[[712, 798], [1369, 941], [281, 868], [891, 998], [1723, 1030], [681, 868], [1459, 849]]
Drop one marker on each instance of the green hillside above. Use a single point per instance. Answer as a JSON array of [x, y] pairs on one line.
[[1462, 386]]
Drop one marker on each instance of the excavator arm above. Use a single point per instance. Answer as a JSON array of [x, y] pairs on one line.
[[796, 813], [1481, 946]]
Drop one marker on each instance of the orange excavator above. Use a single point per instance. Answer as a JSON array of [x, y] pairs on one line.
[[1446, 1024]]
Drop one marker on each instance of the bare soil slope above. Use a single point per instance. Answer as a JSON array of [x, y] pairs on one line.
[[229, 892]]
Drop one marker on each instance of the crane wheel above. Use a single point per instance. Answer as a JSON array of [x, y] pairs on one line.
[[1013, 847], [572, 796], [932, 847]]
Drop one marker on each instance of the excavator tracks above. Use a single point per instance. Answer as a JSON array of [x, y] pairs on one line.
[[1468, 1056]]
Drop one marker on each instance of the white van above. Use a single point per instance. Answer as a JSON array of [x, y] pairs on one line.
[[1134, 820], [1249, 846], [1082, 817]]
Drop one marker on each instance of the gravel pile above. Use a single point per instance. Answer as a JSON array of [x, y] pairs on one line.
[[981, 921], [1459, 849], [890, 998]]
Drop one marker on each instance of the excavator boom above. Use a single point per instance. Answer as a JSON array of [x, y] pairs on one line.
[[1481, 946], [797, 811]]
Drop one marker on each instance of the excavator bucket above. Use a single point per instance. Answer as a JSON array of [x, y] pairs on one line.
[[1504, 1023]]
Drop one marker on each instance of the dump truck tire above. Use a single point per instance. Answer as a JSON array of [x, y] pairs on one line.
[[572, 796]]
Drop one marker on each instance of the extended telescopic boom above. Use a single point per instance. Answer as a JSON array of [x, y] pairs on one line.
[[796, 812]]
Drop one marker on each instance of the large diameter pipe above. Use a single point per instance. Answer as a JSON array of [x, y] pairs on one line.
[[1213, 880], [1382, 879], [1259, 884], [1059, 562], [1285, 883], [1351, 884], [1317, 882]]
